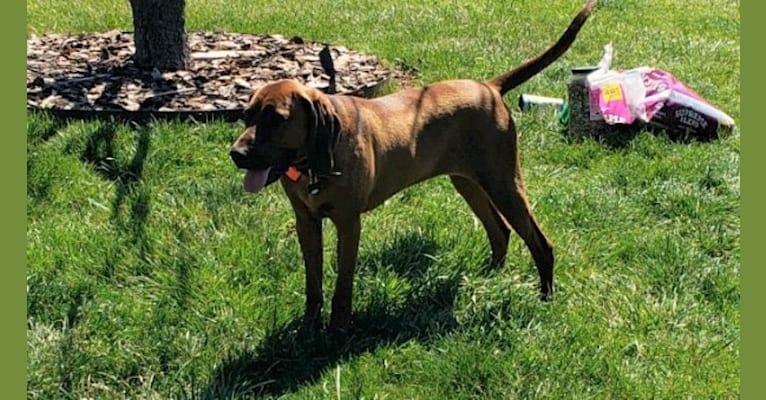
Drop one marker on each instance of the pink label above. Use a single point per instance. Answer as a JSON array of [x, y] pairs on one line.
[[610, 99]]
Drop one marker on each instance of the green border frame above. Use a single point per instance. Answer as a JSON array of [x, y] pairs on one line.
[[13, 211], [751, 142]]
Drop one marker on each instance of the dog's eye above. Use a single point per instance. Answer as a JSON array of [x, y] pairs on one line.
[[269, 118]]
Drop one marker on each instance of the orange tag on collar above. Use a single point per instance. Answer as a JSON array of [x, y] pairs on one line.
[[293, 174]]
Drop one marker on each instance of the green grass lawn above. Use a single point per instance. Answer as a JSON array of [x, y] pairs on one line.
[[151, 274]]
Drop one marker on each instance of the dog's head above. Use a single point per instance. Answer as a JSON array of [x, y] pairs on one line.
[[285, 122]]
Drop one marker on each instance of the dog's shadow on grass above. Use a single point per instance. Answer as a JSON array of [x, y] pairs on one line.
[[290, 357]]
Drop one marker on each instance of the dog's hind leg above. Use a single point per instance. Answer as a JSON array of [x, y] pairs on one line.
[[496, 227], [508, 194]]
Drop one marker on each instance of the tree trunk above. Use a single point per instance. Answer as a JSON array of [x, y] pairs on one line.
[[160, 34]]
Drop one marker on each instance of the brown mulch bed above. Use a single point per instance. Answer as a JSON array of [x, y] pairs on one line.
[[91, 73]]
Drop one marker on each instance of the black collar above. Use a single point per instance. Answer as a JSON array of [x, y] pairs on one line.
[[301, 163]]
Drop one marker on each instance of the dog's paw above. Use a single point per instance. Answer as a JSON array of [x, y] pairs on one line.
[[546, 295]]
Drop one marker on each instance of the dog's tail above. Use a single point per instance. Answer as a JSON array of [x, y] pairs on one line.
[[531, 67]]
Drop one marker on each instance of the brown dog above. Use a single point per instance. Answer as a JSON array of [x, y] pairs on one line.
[[339, 156]]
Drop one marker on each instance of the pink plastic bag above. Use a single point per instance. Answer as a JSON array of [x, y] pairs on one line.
[[660, 99]]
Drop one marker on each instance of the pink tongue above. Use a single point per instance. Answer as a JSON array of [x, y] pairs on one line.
[[256, 180]]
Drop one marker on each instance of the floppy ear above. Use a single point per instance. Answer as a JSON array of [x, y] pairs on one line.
[[323, 132]]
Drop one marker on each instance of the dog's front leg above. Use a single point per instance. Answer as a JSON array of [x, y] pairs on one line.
[[310, 238], [348, 228]]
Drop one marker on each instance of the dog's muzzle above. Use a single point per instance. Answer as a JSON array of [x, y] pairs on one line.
[[239, 156], [264, 164]]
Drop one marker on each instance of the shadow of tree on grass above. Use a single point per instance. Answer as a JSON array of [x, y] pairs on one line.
[[99, 152]]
